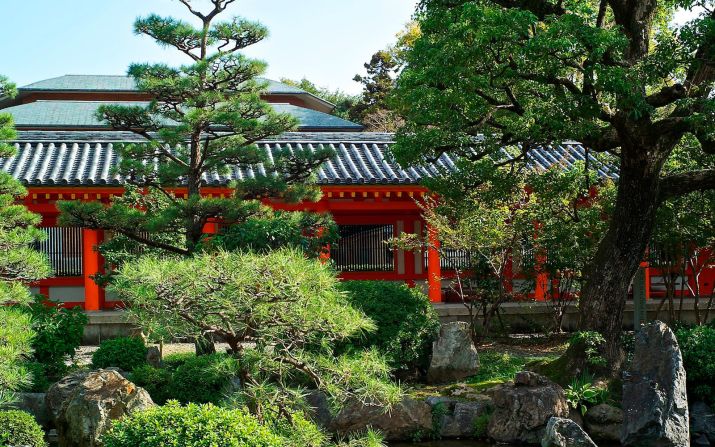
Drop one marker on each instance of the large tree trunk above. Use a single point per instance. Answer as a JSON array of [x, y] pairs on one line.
[[620, 253]]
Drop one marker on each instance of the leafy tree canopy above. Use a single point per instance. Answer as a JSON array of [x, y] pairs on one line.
[[281, 313], [19, 264], [508, 74]]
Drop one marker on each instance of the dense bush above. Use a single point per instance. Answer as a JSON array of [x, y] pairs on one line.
[[58, 334], [202, 379], [190, 426], [407, 324], [698, 348], [18, 428], [155, 381], [125, 353]]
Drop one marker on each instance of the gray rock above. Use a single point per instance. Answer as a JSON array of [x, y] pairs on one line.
[[454, 356], [402, 422], [83, 405], [153, 356], [604, 422], [34, 403], [457, 417], [702, 423], [700, 441], [565, 433], [522, 409], [654, 399]]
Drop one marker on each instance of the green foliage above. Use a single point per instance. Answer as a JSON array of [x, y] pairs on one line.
[[41, 376], [439, 411], [19, 264], [305, 231], [219, 88], [125, 353], [698, 348], [289, 307], [481, 423], [591, 344], [372, 108], [498, 367], [407, 323], [491, 81], [203, 379], [58, 333], [582, 394], [190, 426], [18, 428], [156, 381]]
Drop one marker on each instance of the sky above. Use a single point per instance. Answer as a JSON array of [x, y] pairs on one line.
[[326, 41]]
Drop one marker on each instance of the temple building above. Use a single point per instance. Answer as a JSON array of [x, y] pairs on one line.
[[65, 153]]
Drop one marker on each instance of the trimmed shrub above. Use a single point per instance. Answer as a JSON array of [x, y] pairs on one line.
[[202, 379], [58, 334], [407, 324], [154, 380], [18, 428], [698, 348], [125, 353], [190, 426]]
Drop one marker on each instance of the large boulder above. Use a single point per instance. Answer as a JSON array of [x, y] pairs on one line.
[[654, 399], [454, 356], [84, 404], [604, 422], [565, 433], [523, 408], [702, 424], [404, 421], [455, 418]]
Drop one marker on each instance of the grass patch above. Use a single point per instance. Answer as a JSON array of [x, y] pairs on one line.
[[499, 367]]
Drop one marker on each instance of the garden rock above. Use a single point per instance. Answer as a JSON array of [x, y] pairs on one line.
[[565, 433], [457, 417], [153, 356], [34, 403], [454, 356], [604, 422], [702, 423], [654, 399], [83, 405], [523, 408], [403, 422]]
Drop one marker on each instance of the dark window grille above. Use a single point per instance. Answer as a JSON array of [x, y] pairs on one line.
[[451, 259], [362, 248], [63, 247]]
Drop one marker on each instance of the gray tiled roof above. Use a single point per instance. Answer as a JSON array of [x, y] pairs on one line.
[[81, 114], [87, 158], [111, 83]]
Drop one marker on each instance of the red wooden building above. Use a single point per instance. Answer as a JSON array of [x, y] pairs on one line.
[[64, 153]]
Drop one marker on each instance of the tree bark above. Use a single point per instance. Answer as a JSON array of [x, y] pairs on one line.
[[620, 253]]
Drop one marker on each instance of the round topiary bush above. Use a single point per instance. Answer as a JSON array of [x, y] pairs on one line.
[[202, 379], [407, 324], [125, 353], [154, 380], [190, 426], [18, 428], [698, 348]]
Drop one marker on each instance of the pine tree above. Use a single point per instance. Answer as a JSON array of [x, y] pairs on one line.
[[205, 118], [19, 264]]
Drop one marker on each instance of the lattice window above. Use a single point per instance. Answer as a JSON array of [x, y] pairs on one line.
[[63, 247], [362, 248]]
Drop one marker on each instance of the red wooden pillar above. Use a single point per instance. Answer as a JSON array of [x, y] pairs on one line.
[[434, 270], [92, 264], [646, 269]]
